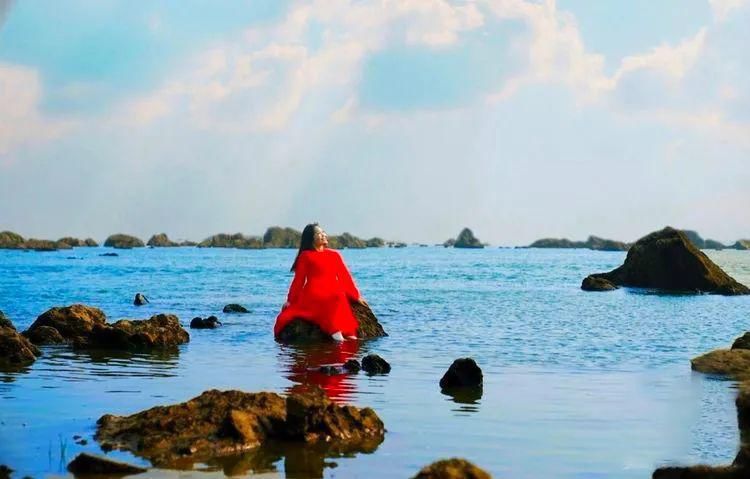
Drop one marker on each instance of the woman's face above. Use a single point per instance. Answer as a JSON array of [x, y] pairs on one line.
[[320, 238]]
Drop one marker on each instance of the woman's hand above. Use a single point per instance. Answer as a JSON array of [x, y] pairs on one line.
[[363, 302], [285, 305]]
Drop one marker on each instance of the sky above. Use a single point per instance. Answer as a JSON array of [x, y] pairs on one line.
[[404, 119]]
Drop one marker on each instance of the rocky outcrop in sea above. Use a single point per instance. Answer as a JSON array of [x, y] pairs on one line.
[[301, 331], [593, 242], [278, 237], [161, 240], [454, 468], [667, 260], [123, 241], [465, 239], [237, 240], [15, 349]]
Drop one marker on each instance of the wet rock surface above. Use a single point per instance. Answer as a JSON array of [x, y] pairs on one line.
[[301, 331], [235, 308], [86, 463], [374, 364], [221, 423], [211, 322], [454, 468], [592, 283], [352, 366], [463, 373], [15, 349], [86, 327], [667, 260]]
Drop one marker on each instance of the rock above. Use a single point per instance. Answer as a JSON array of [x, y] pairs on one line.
[[733, 363], [694, 238], [237, 240], [86, 327], [743, 342], [375, 242], [221, 423], [346, 240], [713, 244], [593, 242], [592, 283], [352, 366], [210, 322], [44, 245], [109, 254], [140, 299], [463, 373], [188, 243], [667, 260], [449, 243], [86, 463], [5, 471], [374, 364], [77, 243], [301, 331], [466, 239], [278, 237], [123, 241], [742, 244], [235, 308], [329, 370], [454, 468], [15, 349], [161, 240], [396, 244], [11, 240]]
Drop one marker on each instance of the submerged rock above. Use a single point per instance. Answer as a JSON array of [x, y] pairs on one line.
[[210, 322], [235, 308], [140, 299], [86, 463], [352, 366], [454, 468], [374, 364], [592, 283], [301, 331], [220, 423], [463, 373], [109, 254], [123, 241], [667, 260], [15, 349], [86, 327], [161, 240]]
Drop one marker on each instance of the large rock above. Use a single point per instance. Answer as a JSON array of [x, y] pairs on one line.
[[732, 363], [235, 308], [301, 331], [123, 241], [86, 327], [466, 239], [463, 373], [237, 240], [221, 423], [11, 240], [454, 468], [375, 242], [77, 243], [593, 242], [15, 349], [667, 260], [161, 240], [346, 241], [86, 463], [211, 322], [742, 244], [591, 283], [278, 237], [374, 364]]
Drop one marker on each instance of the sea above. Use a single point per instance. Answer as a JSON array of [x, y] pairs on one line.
[[577, 385]]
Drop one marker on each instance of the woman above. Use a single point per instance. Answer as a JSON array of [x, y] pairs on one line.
[[321, 289]]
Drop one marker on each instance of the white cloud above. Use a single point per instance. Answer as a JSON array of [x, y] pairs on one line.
[[722, 8], [674, 61]]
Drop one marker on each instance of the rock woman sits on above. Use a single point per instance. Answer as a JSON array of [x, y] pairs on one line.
[[321, 289]]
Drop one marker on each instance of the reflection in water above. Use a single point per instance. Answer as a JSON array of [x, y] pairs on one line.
[[301, 461], [301, 364], [468, 398], [98, 365]]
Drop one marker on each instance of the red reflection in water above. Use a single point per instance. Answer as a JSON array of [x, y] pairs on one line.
[[305, 363]]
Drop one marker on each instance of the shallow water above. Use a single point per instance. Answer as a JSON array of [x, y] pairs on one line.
[[577, 385]]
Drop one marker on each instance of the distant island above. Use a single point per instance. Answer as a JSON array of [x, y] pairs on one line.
[[465, 239], [601, 244]]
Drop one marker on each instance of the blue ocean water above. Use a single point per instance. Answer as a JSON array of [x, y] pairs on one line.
[[576, 385]]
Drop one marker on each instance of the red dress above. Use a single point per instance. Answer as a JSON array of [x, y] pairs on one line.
[[320, 293]]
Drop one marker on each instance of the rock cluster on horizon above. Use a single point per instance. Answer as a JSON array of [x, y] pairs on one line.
[[11, 240], [667, 260], [123, 241], [86, 327], [465, 239], [593, 242], [220, 423]]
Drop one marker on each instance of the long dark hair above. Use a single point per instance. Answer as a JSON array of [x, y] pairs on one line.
[[305, 242]]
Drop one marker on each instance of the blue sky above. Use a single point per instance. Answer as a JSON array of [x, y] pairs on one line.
[[404, 119]]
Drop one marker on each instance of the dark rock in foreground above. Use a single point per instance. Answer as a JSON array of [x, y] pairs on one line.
[[667, 260], [301, 331], [592, 283], [15, 349], [210, 322], [140, 299], [5, 471], [352, 366], [161, 240], [123, 241], [235, 308], [374, 364], [86, 327], [86, 463], [463, 373], [743, 342], [220, 423], [454, 468]]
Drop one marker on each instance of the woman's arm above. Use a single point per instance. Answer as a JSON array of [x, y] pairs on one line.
[[346, 280], [300, 274]]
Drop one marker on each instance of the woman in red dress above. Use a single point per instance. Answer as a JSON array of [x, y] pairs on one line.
[[321, 289]]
